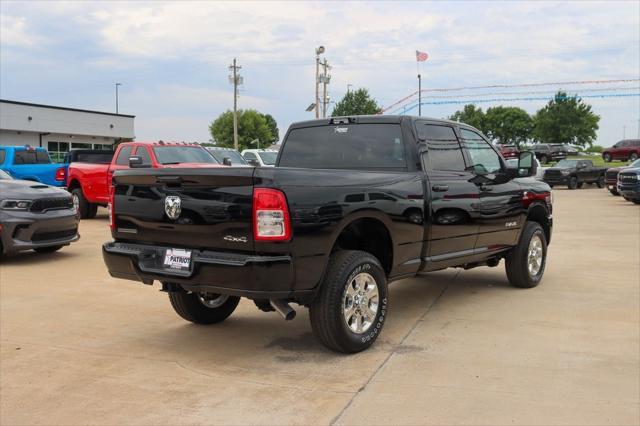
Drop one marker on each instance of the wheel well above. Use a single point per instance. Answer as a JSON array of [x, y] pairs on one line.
[[368, 235], [538, 214], [73, 185]]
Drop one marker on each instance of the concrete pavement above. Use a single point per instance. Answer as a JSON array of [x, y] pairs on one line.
[[459, 347]]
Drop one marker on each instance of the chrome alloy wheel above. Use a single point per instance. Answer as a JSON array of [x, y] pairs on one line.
[[76, 202], [360, 302], [212, 300], [535, 255]]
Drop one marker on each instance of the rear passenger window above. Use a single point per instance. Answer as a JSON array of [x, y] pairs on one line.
[[42, 157], [123, 156], [24, 157], [345, 146]]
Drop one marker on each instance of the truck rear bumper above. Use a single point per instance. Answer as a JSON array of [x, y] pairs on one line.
[[251, 276]]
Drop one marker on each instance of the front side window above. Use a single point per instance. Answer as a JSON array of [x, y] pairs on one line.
[[268, 158], [144, 155], [123, 156], [484, 160], [367, 146]]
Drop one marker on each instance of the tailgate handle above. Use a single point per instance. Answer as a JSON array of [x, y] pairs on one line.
[[174, 179]]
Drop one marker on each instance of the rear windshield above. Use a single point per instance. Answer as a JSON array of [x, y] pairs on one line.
[[352, 146], [95, 157], [182, 154], [234, 156], [31, 157]]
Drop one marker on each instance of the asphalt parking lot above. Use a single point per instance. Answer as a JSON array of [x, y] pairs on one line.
[[459, 347]]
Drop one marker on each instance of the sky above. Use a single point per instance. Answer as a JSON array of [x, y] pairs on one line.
[[172, 58]]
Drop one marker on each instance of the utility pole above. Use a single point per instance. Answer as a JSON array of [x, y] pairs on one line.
[[624, 132], [236, 80], [419, 95], [326, 79], [117, 84], [319, 51]]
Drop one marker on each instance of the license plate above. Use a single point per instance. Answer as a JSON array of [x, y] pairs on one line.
[[179, 259]]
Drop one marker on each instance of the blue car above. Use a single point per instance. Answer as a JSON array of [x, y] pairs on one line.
[[29, 163]]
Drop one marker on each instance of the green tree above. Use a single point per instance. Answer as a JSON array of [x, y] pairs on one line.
[[273, 126], [508, 125], [357, 102], [470, 115], [566, 119], [251, 125]]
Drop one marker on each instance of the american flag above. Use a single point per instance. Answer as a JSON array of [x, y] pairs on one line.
[[421, 56]]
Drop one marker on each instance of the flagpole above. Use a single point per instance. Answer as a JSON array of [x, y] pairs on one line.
[[419, 95]]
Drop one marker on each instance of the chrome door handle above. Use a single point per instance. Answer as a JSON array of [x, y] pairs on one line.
[[440, 188]]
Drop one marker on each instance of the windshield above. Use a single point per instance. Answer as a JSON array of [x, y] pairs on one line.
[[4, 175], [182, 154], [567, 163], [635, 164], [268, 158], [232, 155]]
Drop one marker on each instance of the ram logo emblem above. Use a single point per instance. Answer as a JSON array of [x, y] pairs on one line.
[[173, 206]]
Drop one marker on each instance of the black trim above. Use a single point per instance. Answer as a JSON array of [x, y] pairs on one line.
[[65, 108]]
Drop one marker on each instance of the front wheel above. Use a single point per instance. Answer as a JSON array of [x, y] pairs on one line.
[[526, 262], [614, 192], [600, 182], [606, 157], [544, 159], [348, 313], [84, 209], [203, 308], [633, 156], [636, 201]]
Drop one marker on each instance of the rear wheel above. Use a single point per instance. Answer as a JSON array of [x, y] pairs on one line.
[[614, 192], [203, 308], [633, 156], [600, 182], [348, 313], [84, 209], [606, 157], [544, 159], [636, 201], [580, 184], [47, 249], [526, 262], [573, 182]]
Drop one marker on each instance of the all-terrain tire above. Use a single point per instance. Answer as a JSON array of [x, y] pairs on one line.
[[327, 311], [580, 185], [189, 307], [517, 261]]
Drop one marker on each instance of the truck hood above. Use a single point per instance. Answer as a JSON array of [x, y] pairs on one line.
[[28, 190]]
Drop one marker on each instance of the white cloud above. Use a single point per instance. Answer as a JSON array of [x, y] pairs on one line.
[[14, 32]]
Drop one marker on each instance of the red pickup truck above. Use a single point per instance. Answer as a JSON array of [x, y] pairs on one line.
[[90, 184]]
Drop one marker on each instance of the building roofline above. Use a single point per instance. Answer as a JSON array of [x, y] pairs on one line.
[[5, 101]]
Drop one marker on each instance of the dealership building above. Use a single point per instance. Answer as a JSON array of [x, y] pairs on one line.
[[60, 129]]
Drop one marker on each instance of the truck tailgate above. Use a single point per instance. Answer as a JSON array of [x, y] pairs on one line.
[[210, 208]]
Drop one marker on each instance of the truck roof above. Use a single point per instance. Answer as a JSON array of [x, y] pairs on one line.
[[373, 119]]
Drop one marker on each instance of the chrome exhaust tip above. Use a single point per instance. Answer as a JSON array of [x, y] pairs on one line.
[[283, 308]]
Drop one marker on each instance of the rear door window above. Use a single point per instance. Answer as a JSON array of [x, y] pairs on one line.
[[123, 156], [31, 157], [370, 146]]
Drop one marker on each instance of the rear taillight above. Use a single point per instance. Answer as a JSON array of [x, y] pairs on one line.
[[529, 197], [111, 209], [61, 174], [271, 221]]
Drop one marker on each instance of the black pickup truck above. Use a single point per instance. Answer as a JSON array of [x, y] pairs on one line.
[[574, 174], [352, 204]]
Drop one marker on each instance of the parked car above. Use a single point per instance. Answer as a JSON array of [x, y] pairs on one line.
[[628, 149], [304, 231], [574, 174], [611, 176], [572, 150], [228, 156], [508, 151], [90, 183], [629, 184], [549, 152], [513, 163], [35, 216], [31, 163], [260, 157]]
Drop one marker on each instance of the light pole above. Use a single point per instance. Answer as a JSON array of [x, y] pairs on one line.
[[117, 84], [319, 51], [624, 132]]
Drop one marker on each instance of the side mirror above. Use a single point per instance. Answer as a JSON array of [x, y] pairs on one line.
[[254, 163], [527, 165], [136, 163], [226, 161]]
